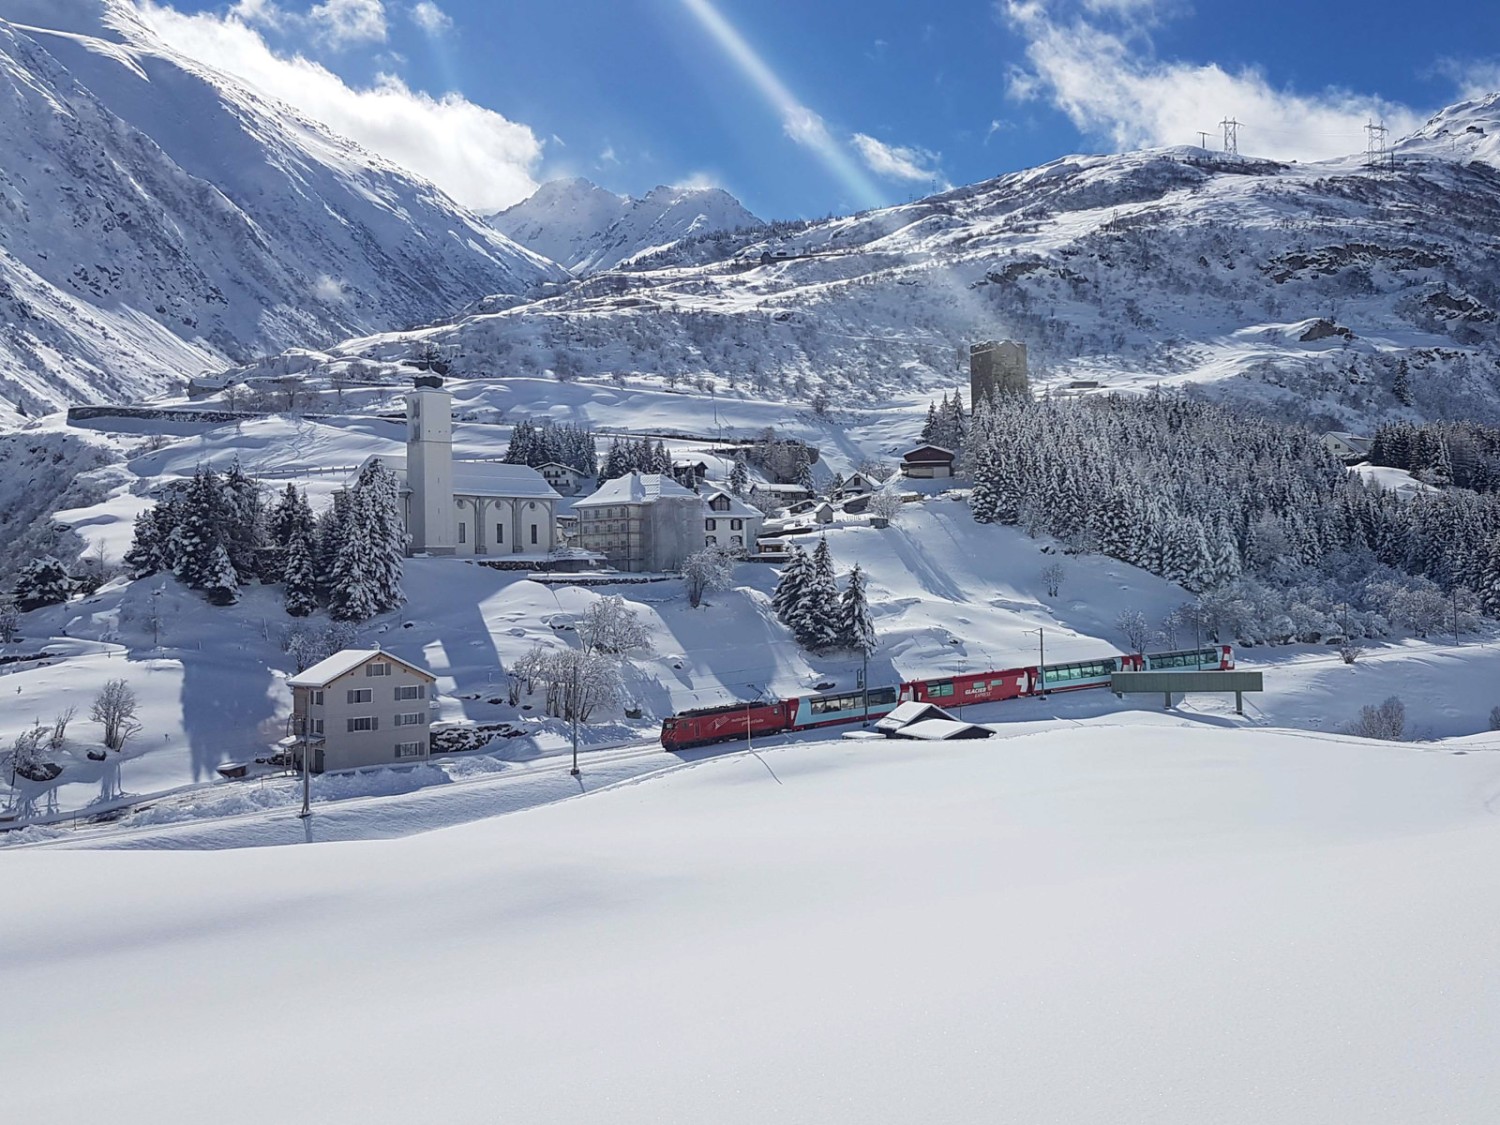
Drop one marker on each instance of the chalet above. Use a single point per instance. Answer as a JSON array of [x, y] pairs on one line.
[[690, 474], [564, 479], [641, 522], [730, 523], [784, 494], [361, 707], [1349, 448], [911, 711], [857, 484], [927, 462]]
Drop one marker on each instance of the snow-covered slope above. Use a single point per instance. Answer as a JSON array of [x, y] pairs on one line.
[[1308, 285], [588, 229], [158, 218], [1126, 922]]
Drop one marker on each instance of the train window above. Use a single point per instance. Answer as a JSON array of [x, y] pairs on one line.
[[882, 695], [940, 690]]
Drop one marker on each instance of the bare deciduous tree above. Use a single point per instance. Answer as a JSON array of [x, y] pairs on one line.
[[885, 505], [709, 569], [1386, 720], [1053, 575], [1136, 629], [115, 709], [609, 626]]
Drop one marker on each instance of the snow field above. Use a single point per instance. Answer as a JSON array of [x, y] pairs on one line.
[[1118, 922]]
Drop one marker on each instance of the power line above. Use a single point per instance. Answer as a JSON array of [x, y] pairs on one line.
[[1377, 153]]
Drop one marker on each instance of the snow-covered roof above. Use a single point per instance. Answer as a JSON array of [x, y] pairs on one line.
[[737, 507], [636, 488], [325, 671], [485, 478], [940, 730], [1357, 442], [766, 486], [560, 465], [929, 448], [912, 711]]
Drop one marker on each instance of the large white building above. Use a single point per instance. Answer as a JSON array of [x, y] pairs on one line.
[[641, 522], [466, 507]]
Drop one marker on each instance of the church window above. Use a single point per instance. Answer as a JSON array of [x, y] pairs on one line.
[[533, 533], [499, 533], [463, 532]]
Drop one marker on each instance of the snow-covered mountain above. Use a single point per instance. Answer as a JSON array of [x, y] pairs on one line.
[[589, 230], [1310, 285], [158, 218]]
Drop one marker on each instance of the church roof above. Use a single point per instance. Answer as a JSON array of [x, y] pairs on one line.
[[487, 478], [636, 488]]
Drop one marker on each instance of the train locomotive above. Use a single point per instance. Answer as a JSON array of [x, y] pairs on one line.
[[702, 726]]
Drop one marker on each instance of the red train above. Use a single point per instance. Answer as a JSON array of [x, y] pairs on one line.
[[705, 725]]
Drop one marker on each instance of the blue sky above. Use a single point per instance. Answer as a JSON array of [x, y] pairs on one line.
[[816, 106]]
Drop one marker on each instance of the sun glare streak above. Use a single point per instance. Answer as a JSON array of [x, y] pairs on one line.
[[800, 123]]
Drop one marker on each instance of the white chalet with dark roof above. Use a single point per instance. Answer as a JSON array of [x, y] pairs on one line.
[[730, 522]]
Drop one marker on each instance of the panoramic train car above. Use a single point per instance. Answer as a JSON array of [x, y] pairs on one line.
[[978, 687], [1079, 674], [1210, 658], [845, 707], [704, 725]]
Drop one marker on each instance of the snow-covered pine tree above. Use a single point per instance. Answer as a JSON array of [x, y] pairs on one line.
[[147, 553], [299, 596], [352, 586], [220, 581], [42, 582], [804, 477], [856, 630], [739, 477], [789, 585], [330, 534], [199, 538], [244, 528], [815, 616], [386, 537]]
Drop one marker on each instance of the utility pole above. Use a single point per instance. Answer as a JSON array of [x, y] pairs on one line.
[[1041, 670], [748, 704], [1202, 138], [306, 772], [864, 680], [1231, 129], [573, 711], [1454, 594]]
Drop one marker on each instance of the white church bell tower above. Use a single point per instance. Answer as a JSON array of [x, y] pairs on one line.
[[429, 467]]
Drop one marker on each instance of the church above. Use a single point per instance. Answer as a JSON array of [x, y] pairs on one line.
[[476, 508]]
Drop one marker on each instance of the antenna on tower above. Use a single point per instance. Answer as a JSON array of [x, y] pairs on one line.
[[1377, 153], [1231, 129]]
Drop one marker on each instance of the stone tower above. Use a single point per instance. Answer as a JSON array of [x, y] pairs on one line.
[[429, 468], [997, 368]]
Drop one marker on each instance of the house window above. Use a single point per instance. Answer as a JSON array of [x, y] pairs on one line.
[[380, 669], [533, 533], [359, 695], [463, 532], [499, 533], [316, 697], [364, 722], [720, 504], [411, 719], [315, 726], [411, 691], [710, 540], [713, 525], [410, 750], [736, 525], [737, 540]]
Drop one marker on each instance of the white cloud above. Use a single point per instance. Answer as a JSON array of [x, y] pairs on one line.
[[805, 127], [698, 181], [1110, 84], [607, 155], [430, 18], [1473, 78], [896, 162], [345, 23], [476, 155]]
